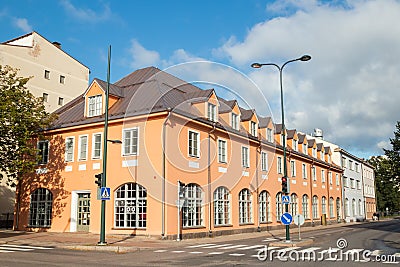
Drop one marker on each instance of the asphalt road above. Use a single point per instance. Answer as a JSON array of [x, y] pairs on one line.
[[361, 244]]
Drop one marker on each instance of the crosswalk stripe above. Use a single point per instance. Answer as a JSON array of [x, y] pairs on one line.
[[287, 249], [311, 249], [160, 250], [216, 253], [16, 249], [196, 252], [17, 246], [202, 245], [178, 251], [218, 246], [251, 247], [236, 254], [235, 246]]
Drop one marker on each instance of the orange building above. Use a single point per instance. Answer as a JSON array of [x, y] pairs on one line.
[[222, 161]]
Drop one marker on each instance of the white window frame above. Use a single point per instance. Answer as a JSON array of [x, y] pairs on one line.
[[337, 179], [192, 212], [253, 128], [66, 149], [305, 147], [245, 206], [193, 144], [265, 206], [269, 135], [293, 168], [211, 112], [315, 207], [294, 204], [330, 177], [222, 150], [304, 206], [295, 145], [314, 152], [44, 153], [279, 206], [314, 173], [279, 166], [264, 161], [132, 144], [331, 208], [94, 145], [222, 206], [235, 121], [323, 205], [304, 170], [95, 105], [80, 158], [245, 157], [323, 178]]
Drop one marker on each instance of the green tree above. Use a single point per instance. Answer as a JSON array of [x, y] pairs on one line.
[[393, 154], [22, 118]]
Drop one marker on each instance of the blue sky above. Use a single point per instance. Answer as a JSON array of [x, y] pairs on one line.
[[350, 88]]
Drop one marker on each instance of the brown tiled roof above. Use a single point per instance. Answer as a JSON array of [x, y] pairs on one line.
[[114, 90], [301, 137], [278, 128], [327, 149], [311, 142], [246, 114], [291, 133], [319, 146], [264, 121], [225, 105]]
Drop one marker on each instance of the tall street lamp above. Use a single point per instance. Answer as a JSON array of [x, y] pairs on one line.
[[285, 180]]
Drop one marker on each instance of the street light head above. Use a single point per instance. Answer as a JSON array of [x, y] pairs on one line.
[[305, 58], [256, 65]]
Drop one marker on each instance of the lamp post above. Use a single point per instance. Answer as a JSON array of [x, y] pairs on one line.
[[285, 176], [102, 241]]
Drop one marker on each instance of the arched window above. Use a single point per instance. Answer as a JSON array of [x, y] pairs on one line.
[[323, 204], [331, 211], [346, 208], [222, 206], [40, 208], [338, 205], [265, 207], [130, 206], [279, 207], [360, 207], [304, 207], [245, 206], [293, 204], [315, 207], [192, 212]]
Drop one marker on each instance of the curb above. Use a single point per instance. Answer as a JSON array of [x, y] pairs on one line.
[[116, 249]]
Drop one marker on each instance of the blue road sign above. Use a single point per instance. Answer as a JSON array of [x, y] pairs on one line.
[[285, 199], [286, 218], [105, 193]]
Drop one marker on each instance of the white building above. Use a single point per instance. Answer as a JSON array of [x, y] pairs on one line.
[[368, 175], [56, 76]]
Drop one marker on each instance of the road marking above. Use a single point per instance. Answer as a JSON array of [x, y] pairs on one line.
[[216, 253], [196, 252], [397, 255], [17, 246], [16, 249], [251, 247], [218, 246], [235, 246], [177, 251], [202, 245], [269, 239], [308, 249], [5, 251], [160, 250], [236, 254]]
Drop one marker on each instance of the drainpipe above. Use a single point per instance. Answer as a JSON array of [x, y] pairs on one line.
[[209, 178], [163, 175], [258, 165]]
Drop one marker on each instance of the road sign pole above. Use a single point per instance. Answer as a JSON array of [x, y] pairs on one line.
[[299, 233]]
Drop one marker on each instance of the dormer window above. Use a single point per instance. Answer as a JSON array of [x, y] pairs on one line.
[[305, 148], [94, 105], [295, 145], [253, 128], [235, 121], [212, 112], [321, 154], [269, 135], [314, 152]]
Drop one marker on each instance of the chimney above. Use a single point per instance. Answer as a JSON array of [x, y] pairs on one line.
[[318, 133], [57, 44]]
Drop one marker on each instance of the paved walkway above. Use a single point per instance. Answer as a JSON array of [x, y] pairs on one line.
[[124, 243]]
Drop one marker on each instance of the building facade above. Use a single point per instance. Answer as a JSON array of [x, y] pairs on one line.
[[56, 77], [368, 176], [181, 145]]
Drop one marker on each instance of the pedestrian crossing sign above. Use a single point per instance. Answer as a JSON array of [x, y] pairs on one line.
[[105, 193]]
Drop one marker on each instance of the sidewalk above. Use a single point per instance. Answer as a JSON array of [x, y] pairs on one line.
[[124, 243]]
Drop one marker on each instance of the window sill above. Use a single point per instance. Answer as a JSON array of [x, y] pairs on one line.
[[128, 228], [244, 224], [223, 225], [193, 227]]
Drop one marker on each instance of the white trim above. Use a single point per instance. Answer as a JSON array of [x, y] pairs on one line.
[[247, 156], [93, 144], [73, 148], [123, 142], [198, 144], [79, 147], [226, 150], [74, 208]]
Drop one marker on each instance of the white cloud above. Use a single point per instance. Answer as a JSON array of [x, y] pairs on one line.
[[87, 15], [141, 57], [350, 88], [22, 24]]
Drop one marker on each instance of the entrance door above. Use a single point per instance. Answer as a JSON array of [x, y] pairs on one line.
[[83, 212]]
